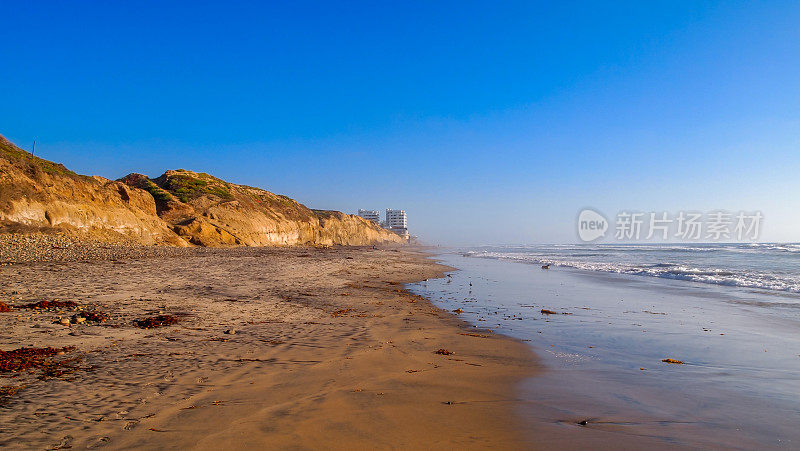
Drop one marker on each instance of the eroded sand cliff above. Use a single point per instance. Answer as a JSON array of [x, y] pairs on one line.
[[179, 208]]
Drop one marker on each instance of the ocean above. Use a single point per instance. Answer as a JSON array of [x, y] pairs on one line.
[[768, 266], [603, 318]]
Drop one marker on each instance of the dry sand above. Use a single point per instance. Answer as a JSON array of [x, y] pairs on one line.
[[329, 351]]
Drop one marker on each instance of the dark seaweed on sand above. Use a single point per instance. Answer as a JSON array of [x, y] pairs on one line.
[[25, 358], [155, 321], [49, 304]]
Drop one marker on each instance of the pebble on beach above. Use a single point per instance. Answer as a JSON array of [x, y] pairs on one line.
[[42, 247]]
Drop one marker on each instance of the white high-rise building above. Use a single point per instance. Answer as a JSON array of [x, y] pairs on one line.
[[370, 215], [397, 222], [396, 219]]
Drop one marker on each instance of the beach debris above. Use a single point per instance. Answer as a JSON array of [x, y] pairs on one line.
[[545, 266], [673, 361], [548, 312], [4, 307], [7, 391], [583, 422], [231, 331], [41, 305], [442, 351], [458, 310], [93, 316], [24, 358], [62, 321], [60, 368], [155, 321], [642, 369], [340, 312]]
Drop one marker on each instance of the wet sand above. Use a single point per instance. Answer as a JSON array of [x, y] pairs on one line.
[[327, 350], [604, 384]]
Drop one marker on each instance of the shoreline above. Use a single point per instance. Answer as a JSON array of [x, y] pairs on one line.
[[609, 344], [327, 350]]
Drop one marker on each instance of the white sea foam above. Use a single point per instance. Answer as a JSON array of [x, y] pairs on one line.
[[767, 266]]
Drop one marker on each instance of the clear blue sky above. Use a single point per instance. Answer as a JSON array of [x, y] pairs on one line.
[[489, 122]]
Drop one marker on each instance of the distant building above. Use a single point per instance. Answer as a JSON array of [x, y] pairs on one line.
[[397, 222], [396, 219], [370, 215]]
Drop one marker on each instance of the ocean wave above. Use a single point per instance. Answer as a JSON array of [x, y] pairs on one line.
[[765, 280], [757, 248]]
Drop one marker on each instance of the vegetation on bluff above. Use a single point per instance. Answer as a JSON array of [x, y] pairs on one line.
[[16, 155], [143, 182], [186, 185], [327, 214]]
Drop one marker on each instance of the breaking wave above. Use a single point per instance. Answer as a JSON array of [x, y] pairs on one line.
[[766, 266]]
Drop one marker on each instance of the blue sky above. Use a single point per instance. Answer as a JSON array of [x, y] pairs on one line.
[[487, 122]]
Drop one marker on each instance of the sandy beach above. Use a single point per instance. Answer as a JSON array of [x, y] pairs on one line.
[[274, 347]]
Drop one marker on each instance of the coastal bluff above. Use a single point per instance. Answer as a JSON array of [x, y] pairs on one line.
[[179, 208]]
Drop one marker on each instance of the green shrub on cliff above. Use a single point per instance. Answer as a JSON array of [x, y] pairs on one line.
[[14, 154], [187, 186]]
